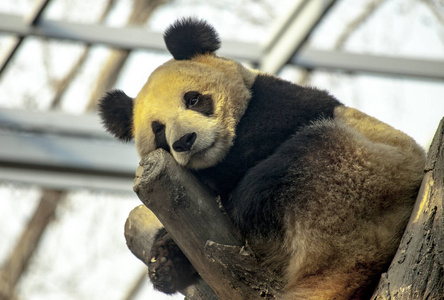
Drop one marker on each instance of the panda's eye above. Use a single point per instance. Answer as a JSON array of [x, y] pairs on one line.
[[200, 103], [193, 101], [191, 98]]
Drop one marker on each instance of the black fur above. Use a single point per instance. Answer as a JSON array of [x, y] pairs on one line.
[[277, 110], [116, 112], [267, 190], [168, 268], [189, 37]]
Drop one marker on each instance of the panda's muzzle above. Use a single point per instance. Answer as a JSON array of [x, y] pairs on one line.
[[185, 142]]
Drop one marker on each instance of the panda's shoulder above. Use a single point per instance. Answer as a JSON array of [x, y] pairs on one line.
[[280, 105], [270, 86]]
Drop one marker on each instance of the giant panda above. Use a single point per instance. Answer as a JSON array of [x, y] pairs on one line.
[[320, 191]]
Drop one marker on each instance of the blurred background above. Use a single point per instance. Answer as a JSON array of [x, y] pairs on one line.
[[66, 185]]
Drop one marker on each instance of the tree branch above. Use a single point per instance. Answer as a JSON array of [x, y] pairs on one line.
[[193, 217], [19, 259], [354, 24]]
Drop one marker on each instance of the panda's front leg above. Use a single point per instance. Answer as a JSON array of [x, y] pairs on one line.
[[168, 269]]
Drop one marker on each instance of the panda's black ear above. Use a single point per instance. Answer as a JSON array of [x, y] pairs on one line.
[[116, 112], [189, 37]]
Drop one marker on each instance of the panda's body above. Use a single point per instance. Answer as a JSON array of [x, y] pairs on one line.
[[321, 191]]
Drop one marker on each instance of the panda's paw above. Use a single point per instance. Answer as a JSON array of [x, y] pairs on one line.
[[168, 269]]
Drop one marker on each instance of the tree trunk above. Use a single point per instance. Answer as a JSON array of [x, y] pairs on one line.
[[196, 222], [417, 270]]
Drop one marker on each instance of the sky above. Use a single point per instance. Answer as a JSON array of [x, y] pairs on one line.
[[83, 253]]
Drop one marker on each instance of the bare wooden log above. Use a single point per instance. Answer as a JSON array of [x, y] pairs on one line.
[[140, 228], [193, 217], [417, 270]]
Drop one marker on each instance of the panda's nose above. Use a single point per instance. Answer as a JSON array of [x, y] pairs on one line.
[[185, 143]]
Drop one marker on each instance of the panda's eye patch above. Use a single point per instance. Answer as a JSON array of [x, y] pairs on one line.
[[191, 98], [157, 127], [159, 135], [198, 102]]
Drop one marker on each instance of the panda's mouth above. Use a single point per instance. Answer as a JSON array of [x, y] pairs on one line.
[[202, 154], [206, 153], [205, 150], [209, 155], [196, 158]]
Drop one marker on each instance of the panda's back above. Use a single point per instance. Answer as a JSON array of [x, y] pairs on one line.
[[341, 194]]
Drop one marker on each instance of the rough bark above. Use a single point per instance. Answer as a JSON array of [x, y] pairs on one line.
[[417, 270], [193, 217]]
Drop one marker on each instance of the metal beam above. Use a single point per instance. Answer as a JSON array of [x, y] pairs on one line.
[[292, 32], [122, 38], [365, 63], [135, 37], [52, 122], [62, 151], [31, 19]]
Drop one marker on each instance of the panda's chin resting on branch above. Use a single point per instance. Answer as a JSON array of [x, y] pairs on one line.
[[202, 158], [322, 192], [197, 160]]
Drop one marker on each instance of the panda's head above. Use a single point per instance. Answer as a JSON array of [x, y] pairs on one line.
[[190, 106]]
